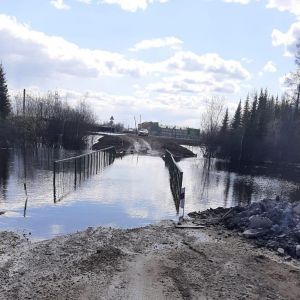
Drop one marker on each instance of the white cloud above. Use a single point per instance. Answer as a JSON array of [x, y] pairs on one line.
[[169, 41], [59, 4], [238, 1], [194, 84], [54, 55], [209, 63], [132, 5], [292, 6], [85, 1], [33, 58], [247, 60], [288, 39], [270, 67]]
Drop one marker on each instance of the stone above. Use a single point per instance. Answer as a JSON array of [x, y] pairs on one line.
[[297, 235], [272, 244], [298, 251], [276, 229], [257, 222], [253, 233], [296, 209], [275, 215], [288, 258], [280, 251]]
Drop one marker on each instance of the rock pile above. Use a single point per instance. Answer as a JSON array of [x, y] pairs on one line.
[[272, 223]]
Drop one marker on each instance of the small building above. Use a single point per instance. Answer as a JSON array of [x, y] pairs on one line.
[[156, 129]]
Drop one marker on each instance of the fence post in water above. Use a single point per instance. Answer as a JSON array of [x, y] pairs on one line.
[[176, 177], [97, 162], [80, 160], [81, 167], [54, 186], [75, 172]]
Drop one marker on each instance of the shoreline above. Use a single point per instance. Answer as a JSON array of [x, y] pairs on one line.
[[153, 262]]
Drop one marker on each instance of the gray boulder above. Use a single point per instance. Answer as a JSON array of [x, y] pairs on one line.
[[296, 209], [298, 251], [253, 233], [257, 222]]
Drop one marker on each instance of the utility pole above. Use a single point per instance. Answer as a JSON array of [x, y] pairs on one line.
[[135, 124], [24, 97]]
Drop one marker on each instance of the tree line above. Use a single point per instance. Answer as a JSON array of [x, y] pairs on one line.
[[263, 129], [42, 119]]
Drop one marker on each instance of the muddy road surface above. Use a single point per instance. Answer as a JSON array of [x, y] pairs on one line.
[[131, 143], [155, 262]]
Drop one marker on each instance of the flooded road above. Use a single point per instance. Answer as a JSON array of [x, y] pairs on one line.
[[133, 191]]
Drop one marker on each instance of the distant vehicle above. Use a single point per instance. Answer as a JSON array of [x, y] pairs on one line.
[[143, 132]]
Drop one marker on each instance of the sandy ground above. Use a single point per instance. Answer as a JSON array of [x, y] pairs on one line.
[[155, 262]]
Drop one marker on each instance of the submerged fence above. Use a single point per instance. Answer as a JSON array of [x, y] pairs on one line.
[[69, 173], [176, 176]]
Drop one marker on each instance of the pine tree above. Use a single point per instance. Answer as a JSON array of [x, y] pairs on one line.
[[4, 98], [225, 121], [237, 119], [246, 113]]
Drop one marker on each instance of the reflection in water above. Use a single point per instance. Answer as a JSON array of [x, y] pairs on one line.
[[133, 191], [218, 183], [4, 165], [242, 191]]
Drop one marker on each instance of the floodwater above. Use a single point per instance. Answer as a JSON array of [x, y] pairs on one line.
[[133, 191], [223, 184]]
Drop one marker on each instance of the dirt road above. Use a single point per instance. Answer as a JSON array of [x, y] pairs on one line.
[[131, 143], [155, 262]]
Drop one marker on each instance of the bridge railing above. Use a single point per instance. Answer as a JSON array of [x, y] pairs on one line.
[[69, 173], [176, 176]]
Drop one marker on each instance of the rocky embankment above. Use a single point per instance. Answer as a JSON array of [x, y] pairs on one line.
[[271, 223]]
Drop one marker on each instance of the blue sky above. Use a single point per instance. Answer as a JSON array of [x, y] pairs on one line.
[[159, 58]]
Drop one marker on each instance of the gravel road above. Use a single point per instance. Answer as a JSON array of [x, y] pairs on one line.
[[155, 262]]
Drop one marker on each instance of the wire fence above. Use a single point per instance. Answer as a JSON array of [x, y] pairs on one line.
[[176, 176], [69, 173]]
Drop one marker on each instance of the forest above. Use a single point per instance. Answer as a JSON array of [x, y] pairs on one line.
[[43, 119], [263, 128]]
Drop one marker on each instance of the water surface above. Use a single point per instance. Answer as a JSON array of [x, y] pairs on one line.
[[133, 191]]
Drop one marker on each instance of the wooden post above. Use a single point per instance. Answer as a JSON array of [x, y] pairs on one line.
[[84, 167], [75, 172], [24, 105], [54, 179], [97, 157], [80, 163]]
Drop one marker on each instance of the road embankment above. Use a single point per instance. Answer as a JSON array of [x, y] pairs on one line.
[[130, 143]]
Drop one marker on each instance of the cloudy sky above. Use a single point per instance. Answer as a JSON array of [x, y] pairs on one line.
[[159, 58]]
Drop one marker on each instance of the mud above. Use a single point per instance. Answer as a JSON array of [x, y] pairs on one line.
[[131, 143], [154, 262]]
